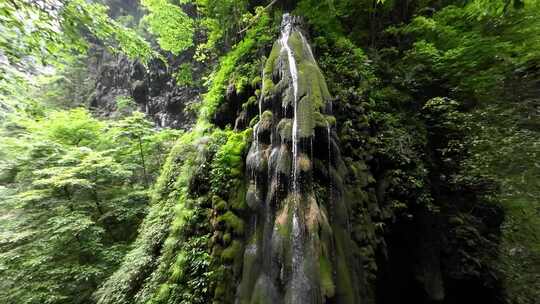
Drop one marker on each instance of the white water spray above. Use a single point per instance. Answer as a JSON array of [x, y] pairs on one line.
[[284, 40]]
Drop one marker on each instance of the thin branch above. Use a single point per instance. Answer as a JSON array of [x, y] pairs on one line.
[[257, 17]]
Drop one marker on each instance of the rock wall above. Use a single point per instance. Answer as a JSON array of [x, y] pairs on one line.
[[152, 88]]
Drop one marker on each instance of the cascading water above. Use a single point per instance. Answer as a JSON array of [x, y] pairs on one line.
[[298, 279], [284, 40], [295, 252]]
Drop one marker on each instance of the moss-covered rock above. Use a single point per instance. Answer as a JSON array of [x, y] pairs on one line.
[[232, 252], [284, 129], [328, 287], [219, 204], [232, 223], [295, 234]]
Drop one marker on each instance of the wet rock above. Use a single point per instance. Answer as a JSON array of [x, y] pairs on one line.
[[152, 88], [299, 245]]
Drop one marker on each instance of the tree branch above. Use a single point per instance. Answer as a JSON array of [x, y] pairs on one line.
[[257, 17]]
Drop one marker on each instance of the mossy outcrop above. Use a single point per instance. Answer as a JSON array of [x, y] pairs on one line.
[[298, 242]]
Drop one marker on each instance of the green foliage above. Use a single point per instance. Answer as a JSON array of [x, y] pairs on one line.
[[228, 163], [480, 54], [222, 20], [322, 14], [172, 26], [74, 128], [183, 75], [169, 189], [191, 278], [124, 103], [346, 65], [69, 86], [186, 272], [353, 19], [76, 198], [14, 93], [256, 36], [472, 52], [474, 47], [52, 33], [503, 149]]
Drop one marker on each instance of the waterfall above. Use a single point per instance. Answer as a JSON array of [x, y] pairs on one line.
[[285, 34], [293, 240], [328, 148], [298, 276]]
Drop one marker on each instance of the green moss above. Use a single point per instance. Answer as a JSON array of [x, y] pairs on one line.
[[267, 115], [238, 198], [177, 271], [284, 128], [232, 252], [256, 81], [296, 45], [240, 84], [304, 163], [284, 229], [331, 120], [265, 123], [344, 285], [163, 292], [268, 84], [184, 253], [219, 204], [186, 271], [250, 268], [227, 238], [320, 121], [310, 78], [284, 218], [313, 84], [326, 276], [255, 36], [305, 118], [227, 165], [253, 122], [232, 222], [251, 102], [324, 121]]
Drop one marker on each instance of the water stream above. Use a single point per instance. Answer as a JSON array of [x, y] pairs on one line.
[[282, 261], [284, 40]]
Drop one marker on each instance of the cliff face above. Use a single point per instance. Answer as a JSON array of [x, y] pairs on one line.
[[153, 89], [156, 89], [296, 249]]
